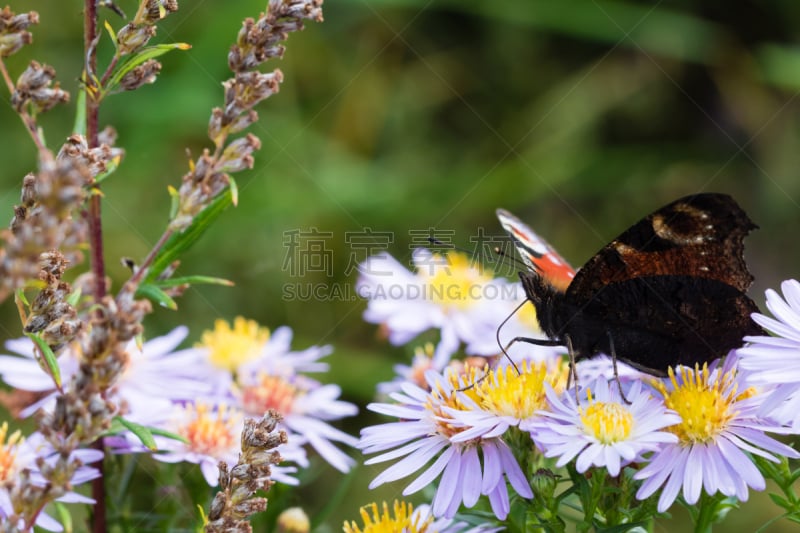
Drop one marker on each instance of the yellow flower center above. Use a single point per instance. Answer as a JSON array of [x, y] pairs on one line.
[[705, 406], [9, 445], [231, 347], [269, 392], [452, 281], [209, 434], [607, 422], [385, 522], [507, 393], [459, 382]]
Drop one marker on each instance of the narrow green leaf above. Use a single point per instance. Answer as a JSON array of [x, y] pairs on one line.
[[167, 434], [80, 113], [180, 242], [193, 280], [64, 516], [143, 433], [74, 297], [156, 295], [112, 34], [234, 190], [780, 501], [111, 166], [49, 357], [22, 298], [151, 52]]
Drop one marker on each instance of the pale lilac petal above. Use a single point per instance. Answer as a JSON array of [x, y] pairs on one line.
[[471, 476]]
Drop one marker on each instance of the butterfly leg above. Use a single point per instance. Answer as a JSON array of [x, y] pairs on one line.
[[528, 340], [573, 368], [614, 366]]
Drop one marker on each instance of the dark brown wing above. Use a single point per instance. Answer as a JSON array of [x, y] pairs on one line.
[[660, 321], [700, 236]]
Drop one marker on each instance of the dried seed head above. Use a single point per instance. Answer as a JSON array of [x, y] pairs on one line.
[[35, 88], [12, 30], [96, 160], [134, 36], [141, 75], [238, 155]]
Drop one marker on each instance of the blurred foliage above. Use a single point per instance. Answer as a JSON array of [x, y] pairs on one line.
[[580, 116]]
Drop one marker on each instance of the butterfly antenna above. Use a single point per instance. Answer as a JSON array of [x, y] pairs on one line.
[[449, 246], [497, 334], [499, 251]]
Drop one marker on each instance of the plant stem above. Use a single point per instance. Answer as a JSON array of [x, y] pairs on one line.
[[95, 233], [139, 275]]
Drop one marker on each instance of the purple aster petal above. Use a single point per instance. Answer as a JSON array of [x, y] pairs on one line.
[[428, 442], [492, 467], [587, 457], [744, 466], [411, 463], [674, 483], [427, 477], [448, 492], [471, 476], [498, 499], [693, 480], [513, 472]]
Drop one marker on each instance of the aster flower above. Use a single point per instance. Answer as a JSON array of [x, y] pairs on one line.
[[18, 455], [305, 405], [509, 397], [23, 372], [447, 293], [155, 376], [268, 377], [603, 431], [211, 433], [773, 362], [719, 423], [424, 433], [403, 517]]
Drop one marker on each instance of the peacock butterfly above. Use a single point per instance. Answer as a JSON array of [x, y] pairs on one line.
[[669, 290]]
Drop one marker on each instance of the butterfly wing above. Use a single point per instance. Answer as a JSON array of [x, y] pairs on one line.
[[539, 256], [699, 236], [660, 321]]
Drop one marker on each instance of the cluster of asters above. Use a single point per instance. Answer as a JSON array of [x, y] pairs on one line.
[[204, 394], [457, 423]]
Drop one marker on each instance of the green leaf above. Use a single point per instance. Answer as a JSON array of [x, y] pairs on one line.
[[180, 242], [49, 357], [193, 280], [79, 126], [234, 190], [64, 516], [143, 433], [111, 166], [74, 297], [156, 295], [22, 298], [167, 434], [112, 34], [780, 501], [151, 52]]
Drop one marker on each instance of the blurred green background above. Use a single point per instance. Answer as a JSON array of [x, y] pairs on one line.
[[398, 115]]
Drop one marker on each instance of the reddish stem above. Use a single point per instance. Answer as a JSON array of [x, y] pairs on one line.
[[95, 233]]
